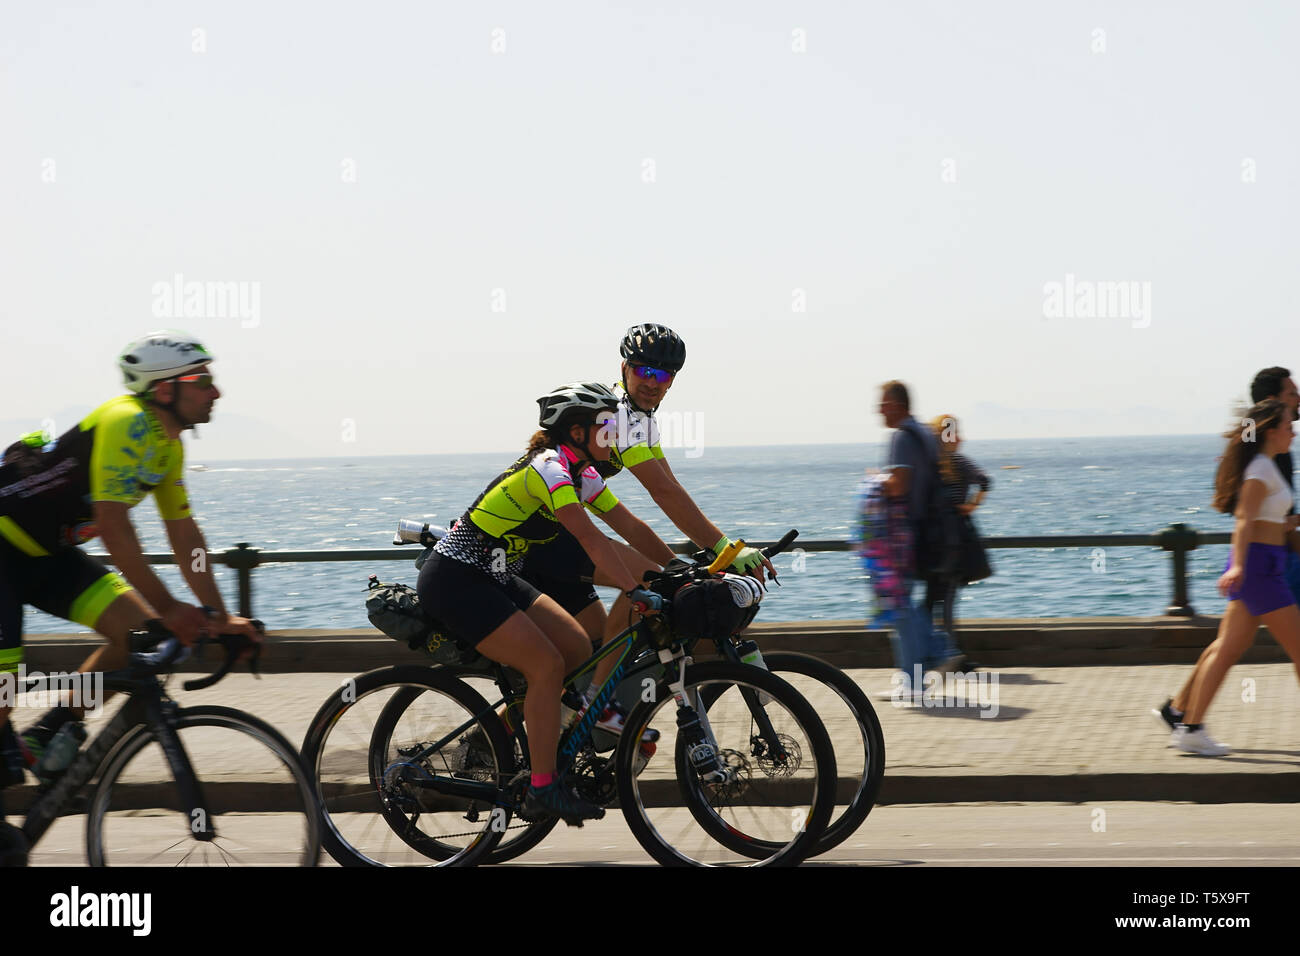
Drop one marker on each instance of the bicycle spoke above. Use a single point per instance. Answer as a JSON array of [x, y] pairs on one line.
[[739, 804], [251, 781], [400, 800]]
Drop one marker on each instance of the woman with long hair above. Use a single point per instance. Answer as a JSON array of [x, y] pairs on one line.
[[958, 474], [1250, 487], [471, 583]]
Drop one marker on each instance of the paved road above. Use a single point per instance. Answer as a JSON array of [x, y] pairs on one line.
[[1113, 834], [1064, 733]]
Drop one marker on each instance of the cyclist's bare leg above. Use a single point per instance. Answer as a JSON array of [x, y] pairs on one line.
[[1236, 634], [620, 615], [127, 612], [521, 644], [592, 621], [1233, 621], [561, 630]]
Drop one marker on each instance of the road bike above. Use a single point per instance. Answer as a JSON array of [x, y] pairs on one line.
[[183, 786]]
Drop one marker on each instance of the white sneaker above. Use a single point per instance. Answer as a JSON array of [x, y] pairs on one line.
[[1197, 742]]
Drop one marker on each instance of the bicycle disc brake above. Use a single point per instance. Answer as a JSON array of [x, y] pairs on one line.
[[784, 765]]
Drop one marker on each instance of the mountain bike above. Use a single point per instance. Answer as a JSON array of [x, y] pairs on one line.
[[859, 752], [428, 771], [184, 786]]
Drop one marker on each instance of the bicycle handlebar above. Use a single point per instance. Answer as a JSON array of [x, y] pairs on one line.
[[235, 645], [154, 646], [785, 542]]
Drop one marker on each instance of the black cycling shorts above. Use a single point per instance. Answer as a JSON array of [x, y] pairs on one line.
[[562, 570], [467, 601], [68, 583]]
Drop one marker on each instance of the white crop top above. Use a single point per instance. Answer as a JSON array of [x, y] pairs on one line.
[[1278, 502]]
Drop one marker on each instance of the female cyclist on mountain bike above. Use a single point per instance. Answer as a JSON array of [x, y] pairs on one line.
[[470, 582]]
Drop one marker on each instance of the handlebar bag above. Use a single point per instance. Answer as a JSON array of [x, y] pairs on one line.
[[715, 608]]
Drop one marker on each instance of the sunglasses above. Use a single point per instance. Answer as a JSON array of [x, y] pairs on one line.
[[203, 379], [662, 376]]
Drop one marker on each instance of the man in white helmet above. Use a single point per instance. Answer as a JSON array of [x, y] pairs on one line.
[[58, 493]]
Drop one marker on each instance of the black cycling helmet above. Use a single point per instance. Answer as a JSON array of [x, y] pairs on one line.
[[655, 345]]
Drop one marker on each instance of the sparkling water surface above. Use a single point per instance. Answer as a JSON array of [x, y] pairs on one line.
[[1040, 487]]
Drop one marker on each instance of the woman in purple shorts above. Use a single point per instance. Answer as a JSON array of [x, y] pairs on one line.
[[1249, 486]]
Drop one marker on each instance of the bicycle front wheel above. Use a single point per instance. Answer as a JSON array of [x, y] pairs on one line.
[[259, 803], [767, 798], [855, 733], [409, 766]]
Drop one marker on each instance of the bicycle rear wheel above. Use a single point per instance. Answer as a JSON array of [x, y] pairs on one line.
[[779, 791], [409, 766], [260, 802], [518, 837]]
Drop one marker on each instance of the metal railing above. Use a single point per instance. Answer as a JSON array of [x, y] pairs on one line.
[[1178, 539]]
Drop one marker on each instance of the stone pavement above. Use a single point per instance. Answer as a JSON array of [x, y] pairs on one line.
[[1068, 734]]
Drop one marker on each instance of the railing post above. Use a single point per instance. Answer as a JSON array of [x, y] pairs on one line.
[[243, 559], [1179, 539]]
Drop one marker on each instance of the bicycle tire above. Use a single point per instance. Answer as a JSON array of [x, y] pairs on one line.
[[371, 816], [135, 779], [518, 838], [867, 751], [798, 807]]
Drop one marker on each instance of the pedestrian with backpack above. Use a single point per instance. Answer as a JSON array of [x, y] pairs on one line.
[[913, 475]]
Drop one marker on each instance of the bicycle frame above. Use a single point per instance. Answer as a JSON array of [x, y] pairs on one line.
[[628, 645], [148, 706], [572, 740]]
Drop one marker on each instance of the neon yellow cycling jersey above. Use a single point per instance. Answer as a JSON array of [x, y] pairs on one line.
[[517, 510], [637, 440], [119, 452]]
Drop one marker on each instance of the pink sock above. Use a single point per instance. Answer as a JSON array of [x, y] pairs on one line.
[[542, 780]]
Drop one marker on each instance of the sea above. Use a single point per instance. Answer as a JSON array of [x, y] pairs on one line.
[[1065, 486]]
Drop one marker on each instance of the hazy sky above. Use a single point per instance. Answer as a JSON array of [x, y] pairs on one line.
[[433, 213]]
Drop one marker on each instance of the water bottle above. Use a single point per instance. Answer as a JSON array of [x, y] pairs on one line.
[[412, 531], [750, 654], [571, 705], [61, 750]]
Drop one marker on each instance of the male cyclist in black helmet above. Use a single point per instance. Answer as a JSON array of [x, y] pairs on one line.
[[57, 493], [652, 357]]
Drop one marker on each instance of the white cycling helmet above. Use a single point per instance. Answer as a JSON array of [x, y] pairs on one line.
[[567, 401], [158, 357]]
